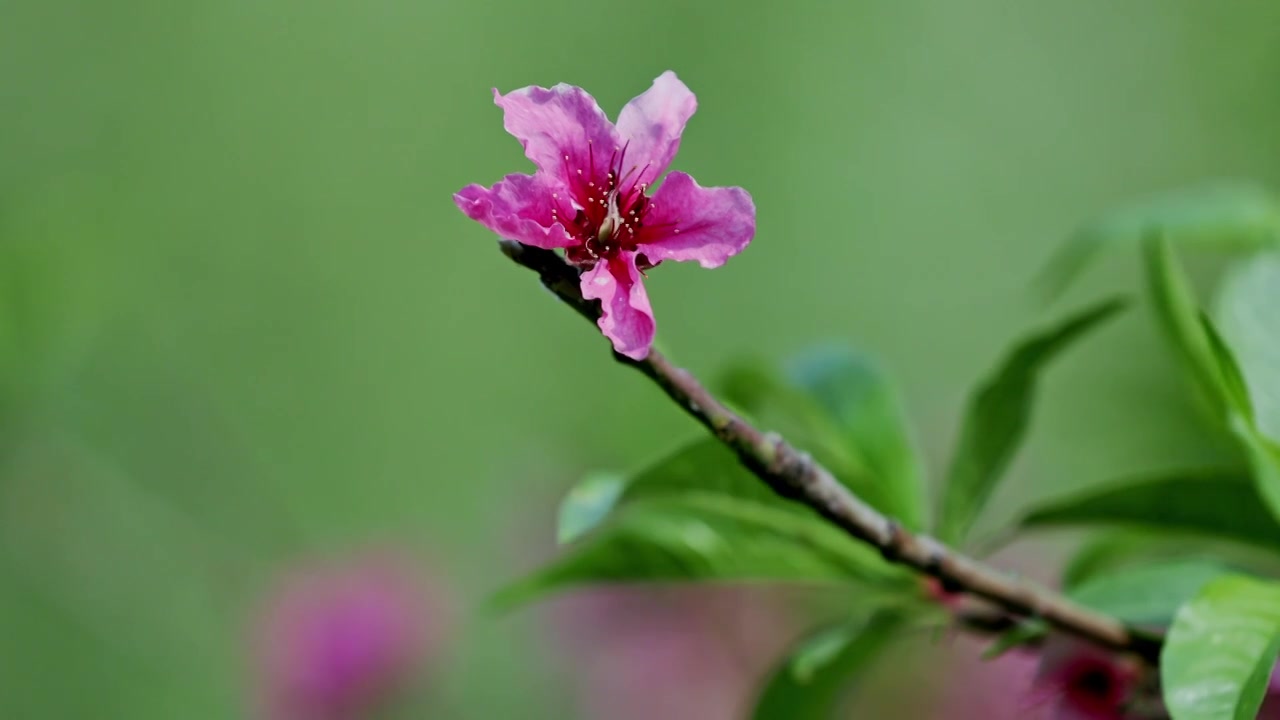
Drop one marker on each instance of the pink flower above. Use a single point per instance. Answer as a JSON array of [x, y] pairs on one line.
[[1083, 682], [593, 195], [340, 640]]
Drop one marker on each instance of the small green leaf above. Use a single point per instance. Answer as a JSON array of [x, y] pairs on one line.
[[824, 647], [1220, 504], [1234, 387], [1264, 459], [997, 417], [1231, 215], [759, 389], [1149, 594], [1103, 552], [864, 405], [1145, 595], [587, 505], [1026, 632], [702, 537], [1248, 312], [843, 408], [809, 684], [1220, 650], [704, 466], [1179, 312]]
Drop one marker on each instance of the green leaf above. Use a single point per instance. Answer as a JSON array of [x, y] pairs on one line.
[[1025, 632], [1148, 594], [704, 466], [1264, 459], [997, 417], [864, 405], [1231, 215], [842, 406], [587, 505], [759, 389], [809, 684], [704, 537], [1219, 504], [1212, 363], [1248, 313], [1179, 313], [1104, 552], [1220, 650], [1117, 551], [1235, 389]]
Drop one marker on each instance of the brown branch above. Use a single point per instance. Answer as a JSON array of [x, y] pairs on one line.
[[796, 476]]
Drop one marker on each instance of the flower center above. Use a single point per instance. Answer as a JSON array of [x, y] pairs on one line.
[[1095, 686], [604, 207]]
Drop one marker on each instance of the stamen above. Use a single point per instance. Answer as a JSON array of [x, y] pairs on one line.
[[640, 185]]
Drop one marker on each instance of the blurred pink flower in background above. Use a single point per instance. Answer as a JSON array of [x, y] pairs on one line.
[[673, 652], [975, 689], [340, 639]]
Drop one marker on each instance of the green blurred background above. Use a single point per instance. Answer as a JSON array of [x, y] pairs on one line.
[[241, 321]]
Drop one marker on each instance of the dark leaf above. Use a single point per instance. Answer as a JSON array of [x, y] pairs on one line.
[[997, 417], [864, 406], [1219, 504]]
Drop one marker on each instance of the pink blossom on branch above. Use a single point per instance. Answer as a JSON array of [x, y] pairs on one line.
[[593, 196]]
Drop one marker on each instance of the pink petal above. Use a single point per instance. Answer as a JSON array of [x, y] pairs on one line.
[[558, 122], [651, 124], [518, 207], [627, 320], [689, 222]]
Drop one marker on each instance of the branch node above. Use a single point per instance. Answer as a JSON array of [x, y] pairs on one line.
[[891, 546]]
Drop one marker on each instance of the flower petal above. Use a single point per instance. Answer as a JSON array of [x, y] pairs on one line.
[[690, 222], [651, 124], [518, 207], [562, 129], [627, 318]]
